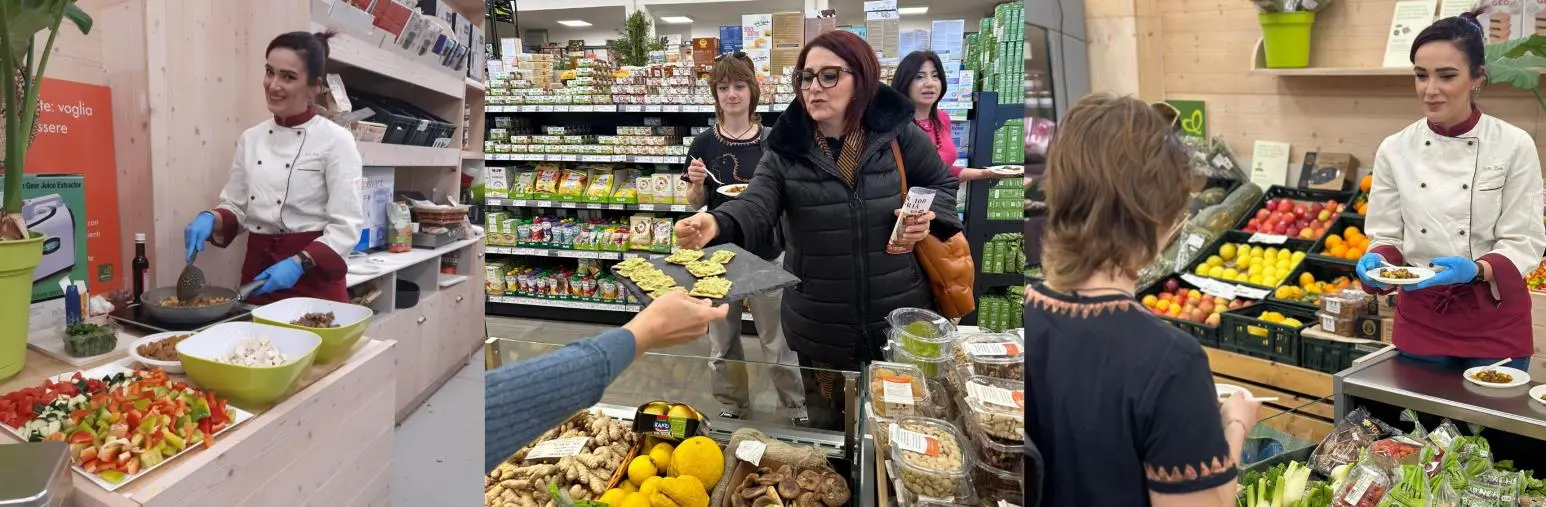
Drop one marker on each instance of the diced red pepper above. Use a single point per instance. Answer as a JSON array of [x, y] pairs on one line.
[[80, 437], [209, 434]]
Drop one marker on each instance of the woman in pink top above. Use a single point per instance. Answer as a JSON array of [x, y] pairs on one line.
[[921, 77]]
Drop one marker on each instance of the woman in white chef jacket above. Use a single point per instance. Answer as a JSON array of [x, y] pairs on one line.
[[1459, 191], [292, 186]]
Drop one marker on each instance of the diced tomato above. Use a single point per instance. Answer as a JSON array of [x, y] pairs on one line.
[[90, 465], [132, 466], [80, 437], [209, 434]]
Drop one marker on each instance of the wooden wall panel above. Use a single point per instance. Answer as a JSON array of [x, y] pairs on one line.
[[123, 61], [1206, 48]]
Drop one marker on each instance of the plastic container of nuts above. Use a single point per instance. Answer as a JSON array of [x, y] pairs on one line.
[[931, 462], [992, 482], [897, 390], [995, 355], [994, 410], [1345, 304], [996, 453]]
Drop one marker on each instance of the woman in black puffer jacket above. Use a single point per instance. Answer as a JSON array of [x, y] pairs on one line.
[[829, 172]]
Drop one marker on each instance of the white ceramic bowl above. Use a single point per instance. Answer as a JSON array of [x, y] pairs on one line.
[[1519, 377], [169, 366], [1537, 392]]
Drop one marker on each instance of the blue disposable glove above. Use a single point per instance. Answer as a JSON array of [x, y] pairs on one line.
[[197, 233], [1457, 271], [1367, 265], [280, 276]]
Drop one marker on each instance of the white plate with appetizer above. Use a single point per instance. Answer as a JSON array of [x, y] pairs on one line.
[[1538, 393], [147, 348], [1007, 170], [1501, 377], [733, 189], [1400, 275]]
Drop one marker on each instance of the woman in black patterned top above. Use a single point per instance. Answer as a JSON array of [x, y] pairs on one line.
[[1121, 405]]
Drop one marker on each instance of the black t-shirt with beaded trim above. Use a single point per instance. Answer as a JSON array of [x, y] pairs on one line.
[[733, 162], [1119, 402]]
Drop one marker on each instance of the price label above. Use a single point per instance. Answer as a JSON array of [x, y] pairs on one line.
[[558, 448], [669, 108], [1332, 305], [544, 109], [543, 204], [1194, 241], [751, 451], [1268, 239], [897, 393], [996, 395], [1328, 324], [652, 108], [997, 349], [909, 440], [1250, 292]]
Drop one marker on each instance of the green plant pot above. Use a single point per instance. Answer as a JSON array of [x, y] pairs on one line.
[[17, 261], [1286, 38]]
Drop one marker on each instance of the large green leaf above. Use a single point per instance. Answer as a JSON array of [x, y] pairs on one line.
[[74, 14], [25, 18], [1523, 72]]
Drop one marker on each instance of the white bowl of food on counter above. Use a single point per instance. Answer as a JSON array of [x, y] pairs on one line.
[[160, 350]]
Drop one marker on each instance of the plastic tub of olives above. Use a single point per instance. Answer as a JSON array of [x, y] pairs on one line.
[[931, 461]]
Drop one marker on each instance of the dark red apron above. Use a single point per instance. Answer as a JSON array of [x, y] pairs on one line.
[[1464, 321], [264, 250]]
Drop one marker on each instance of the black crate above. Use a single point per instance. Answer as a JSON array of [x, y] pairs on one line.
[[1297, 194], [1329, 356], [398, 123], [1281, 343], [1243, 237], [1323, 270], [1205, 334], [429, 127], [1343, 222]]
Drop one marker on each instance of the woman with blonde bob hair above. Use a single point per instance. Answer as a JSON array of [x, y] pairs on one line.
[[1121, 405]]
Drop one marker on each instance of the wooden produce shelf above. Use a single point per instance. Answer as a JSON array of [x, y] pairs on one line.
[[1259, 66], [400, 155], [1307, 393]]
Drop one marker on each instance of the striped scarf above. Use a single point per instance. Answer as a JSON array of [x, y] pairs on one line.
[[848, 160]]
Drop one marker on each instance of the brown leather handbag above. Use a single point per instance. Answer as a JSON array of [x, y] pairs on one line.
[[948, 263]]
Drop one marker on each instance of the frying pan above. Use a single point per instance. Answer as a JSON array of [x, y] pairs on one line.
[[196, 315]]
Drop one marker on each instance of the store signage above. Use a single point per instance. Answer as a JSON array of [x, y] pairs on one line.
[[1193, 117], [75, 137]]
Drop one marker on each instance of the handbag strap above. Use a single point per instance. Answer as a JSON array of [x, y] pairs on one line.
[[896, 153]]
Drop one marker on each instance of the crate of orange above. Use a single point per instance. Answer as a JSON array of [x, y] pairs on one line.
[[1344, 244], [1360, 205], [1312, 279]]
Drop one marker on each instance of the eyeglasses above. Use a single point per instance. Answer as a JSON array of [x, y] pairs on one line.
[[739, 55], [828, 76]]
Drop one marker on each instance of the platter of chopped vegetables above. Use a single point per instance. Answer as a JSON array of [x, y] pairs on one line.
[[119, 423]]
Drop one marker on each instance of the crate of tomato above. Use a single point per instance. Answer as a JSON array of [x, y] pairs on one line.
[[1187, 307], [1295, 212], [1268, 330]]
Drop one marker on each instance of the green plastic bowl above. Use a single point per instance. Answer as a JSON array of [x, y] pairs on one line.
[[336, 341], [247, 387]]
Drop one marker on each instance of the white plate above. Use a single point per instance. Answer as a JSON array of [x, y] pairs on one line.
[[1422, 274], [1520, 377], [238, 417], [1007, 170], [169, 366], [1232, 390], [732, 190], [1537, 392]]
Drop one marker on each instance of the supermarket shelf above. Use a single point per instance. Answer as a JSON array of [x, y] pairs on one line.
[[476, 86], [561, 252], [529, 203], [578, 305], [400, 155], [1000, 279], [392, 262], [554, 157], [349, 50], [472, 155], [619, 108]]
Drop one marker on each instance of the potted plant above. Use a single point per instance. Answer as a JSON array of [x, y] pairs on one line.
[[1285, 30], [1518, 63], [633, 49], [21, 72]]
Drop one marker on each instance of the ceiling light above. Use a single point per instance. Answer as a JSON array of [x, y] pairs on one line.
[[907, 11], [574, 23], [676, 20]]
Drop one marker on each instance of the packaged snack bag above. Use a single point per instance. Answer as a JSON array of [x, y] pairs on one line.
[[663, 235], [572, 186], [640, 228], [679, 191], [645, 186], [600, 189]]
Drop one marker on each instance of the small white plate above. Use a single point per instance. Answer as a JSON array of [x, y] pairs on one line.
[[1230, 390], [732, 190], [1519, 377], [1537, 392], [1007, 170], [1422, 274], [169, 366]]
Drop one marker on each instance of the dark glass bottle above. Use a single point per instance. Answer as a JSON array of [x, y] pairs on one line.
[[141, 267]]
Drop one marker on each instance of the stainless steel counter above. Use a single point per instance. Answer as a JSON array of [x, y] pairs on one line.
[[1428, 389]]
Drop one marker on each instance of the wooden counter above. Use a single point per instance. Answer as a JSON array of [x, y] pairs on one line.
[[328, 443], [1305, 393]]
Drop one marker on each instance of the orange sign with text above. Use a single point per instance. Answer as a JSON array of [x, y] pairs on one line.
[[75, 137]]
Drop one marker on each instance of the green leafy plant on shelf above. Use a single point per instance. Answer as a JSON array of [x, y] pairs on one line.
[[1518, 63], [23, 69], [633, 49]]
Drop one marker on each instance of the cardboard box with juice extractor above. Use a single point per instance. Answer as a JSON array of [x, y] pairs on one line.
[[55, 206]]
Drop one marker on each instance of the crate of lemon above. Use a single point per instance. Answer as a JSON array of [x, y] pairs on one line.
[[1257, 265], [667, 474], [1268, 330]]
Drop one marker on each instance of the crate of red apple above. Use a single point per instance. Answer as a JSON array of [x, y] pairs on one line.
[[1190, 309], [1293, 218]]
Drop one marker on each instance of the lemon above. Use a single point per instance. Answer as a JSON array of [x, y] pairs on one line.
[[1214, 260], [650, 486], [641, 468], [1227, 251], [1216, 272], [1292, 322], [1254, 280], [1285, 254], [699, 457], [628, 487], [661, 454], [1231, 273], [1202, 269], [1298, 256], [613, 496], [636, 500]]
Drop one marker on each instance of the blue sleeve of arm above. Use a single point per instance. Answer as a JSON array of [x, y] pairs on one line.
[[525, 399]]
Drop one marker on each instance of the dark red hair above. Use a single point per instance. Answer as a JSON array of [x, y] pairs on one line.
[[860, 59]]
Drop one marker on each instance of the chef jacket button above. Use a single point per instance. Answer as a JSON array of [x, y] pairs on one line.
[[287, 166], [1464, 186], [277, 201], [1423, 230], [260, 227], [252, 198], [1462, 232], [1423, 185], [271, 132], [1426, 143], [1468, 143], [260, 162]]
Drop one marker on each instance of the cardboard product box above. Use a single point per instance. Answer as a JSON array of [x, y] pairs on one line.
[[55, 205], [818, 26], [1387, 326], [1369, 328], [730, 39], [756, 32], [391, 17], [704, 49], [762, 61], [1328, 171], [884, 31], [788, 29], [782, 60]]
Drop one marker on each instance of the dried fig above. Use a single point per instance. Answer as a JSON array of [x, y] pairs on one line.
[[753, 492], [809, 480], [809, 499], [834, 490], [789, 487], [770, 479]]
